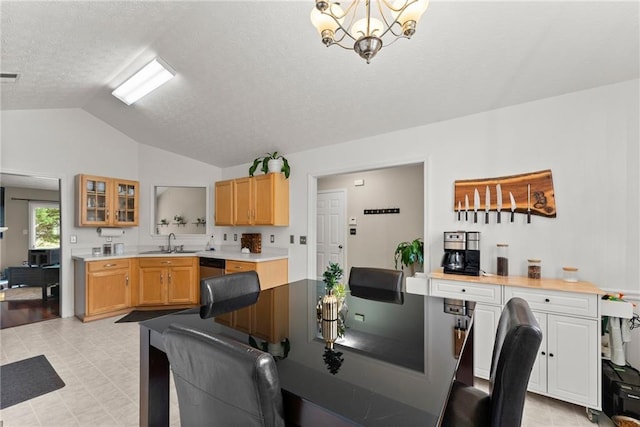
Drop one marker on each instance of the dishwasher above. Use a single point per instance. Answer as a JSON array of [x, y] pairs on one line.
[[211, 267]]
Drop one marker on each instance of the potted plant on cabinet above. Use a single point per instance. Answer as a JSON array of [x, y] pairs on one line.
[[271, 162], [408, 254]]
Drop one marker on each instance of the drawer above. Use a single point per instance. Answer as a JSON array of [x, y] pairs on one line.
[[94, 266], [166, 262], [239, 266], [559, 302], [491, 294]]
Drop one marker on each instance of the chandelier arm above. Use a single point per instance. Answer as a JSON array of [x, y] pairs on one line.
[[384, 18]]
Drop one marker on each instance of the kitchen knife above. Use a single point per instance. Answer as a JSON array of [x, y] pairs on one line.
[[513, 205], [459, 209], [498, 200], [466, 207], [476, 205], [487, 204], [528, 203]]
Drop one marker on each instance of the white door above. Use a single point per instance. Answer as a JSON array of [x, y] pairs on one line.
[[538, 379], [572, 359], [485, 325], [331, 229]]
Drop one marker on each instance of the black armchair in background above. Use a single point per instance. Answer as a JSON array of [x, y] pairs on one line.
[[377, 284]]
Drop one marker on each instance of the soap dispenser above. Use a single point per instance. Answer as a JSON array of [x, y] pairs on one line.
[[210, 244]]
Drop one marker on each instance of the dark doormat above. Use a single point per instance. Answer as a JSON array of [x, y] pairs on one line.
[[141, 315], [26, 379]]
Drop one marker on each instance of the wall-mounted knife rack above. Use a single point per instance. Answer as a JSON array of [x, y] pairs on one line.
[[543, 202]]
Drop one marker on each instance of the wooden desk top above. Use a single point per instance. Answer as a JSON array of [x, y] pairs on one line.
[[523, 282]]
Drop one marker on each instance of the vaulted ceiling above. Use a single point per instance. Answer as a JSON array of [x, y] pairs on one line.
[[253, 76]]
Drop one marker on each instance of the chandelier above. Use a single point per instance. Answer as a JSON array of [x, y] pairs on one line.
[[369, 27]]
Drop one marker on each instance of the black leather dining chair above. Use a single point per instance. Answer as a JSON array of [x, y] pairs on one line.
[[227, 293], [515, 349], [222, 382], [376, 284]]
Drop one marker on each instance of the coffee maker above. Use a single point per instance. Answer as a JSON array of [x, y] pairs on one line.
[[461, 253]]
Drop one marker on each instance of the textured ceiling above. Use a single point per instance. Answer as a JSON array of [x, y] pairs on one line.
[[254, 76]]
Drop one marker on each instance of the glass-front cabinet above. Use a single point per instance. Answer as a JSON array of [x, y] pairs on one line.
[[106, 201]]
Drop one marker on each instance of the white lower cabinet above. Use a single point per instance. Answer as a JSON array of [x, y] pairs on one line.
[[567, 367], [572, 360], [485, 325]]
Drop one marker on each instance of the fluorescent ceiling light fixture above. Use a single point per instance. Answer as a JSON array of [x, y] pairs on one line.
[[150, 77]]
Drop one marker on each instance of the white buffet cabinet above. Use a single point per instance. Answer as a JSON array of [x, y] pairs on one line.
[[568, 366]]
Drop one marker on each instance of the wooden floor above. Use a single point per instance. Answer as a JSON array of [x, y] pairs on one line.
[[16, 313]]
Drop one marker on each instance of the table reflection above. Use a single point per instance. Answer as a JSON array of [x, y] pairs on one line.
[[381, 324]]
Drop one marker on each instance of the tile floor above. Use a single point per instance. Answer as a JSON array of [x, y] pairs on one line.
[[98, 362]]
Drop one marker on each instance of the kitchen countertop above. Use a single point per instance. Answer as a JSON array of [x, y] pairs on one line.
[[231, 255], [523, 282]]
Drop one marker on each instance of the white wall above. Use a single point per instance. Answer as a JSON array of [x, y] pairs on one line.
[[589, 140], [61, 143]]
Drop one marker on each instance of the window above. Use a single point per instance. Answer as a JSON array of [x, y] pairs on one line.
[[44, 220]]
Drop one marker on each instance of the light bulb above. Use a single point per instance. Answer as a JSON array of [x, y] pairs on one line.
[[325, 21], [359, 28], [413, 12]]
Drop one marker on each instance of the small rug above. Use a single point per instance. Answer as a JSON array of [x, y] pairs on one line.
[[21, 294], [141, 315], [26, 379]]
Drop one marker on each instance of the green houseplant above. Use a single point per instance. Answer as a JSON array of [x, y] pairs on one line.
[[332, 275], [266, 159], [409, 254]]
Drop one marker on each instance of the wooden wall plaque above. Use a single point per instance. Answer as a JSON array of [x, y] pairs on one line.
[[542, 198]]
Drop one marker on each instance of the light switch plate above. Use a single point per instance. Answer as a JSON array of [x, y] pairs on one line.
[[353, 220], [73, 238], [303, 240], [272, 238], [292, 239], [235, 237]]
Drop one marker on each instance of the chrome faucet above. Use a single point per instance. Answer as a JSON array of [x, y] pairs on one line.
[[169, 242]]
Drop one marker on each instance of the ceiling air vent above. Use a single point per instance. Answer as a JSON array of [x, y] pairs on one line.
[[9, 77]]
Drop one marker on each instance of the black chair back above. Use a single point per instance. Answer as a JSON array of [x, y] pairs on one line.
[[515, 349], [376, 284], [227, 293], [221, 381]]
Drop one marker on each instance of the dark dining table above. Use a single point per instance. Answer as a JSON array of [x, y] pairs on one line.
[[365, 390]]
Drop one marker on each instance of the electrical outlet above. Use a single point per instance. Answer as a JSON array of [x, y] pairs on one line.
[[73, 238], [235, 237], [109, 239], [303, 240], [358, 317], [272, 239], [292, 239]]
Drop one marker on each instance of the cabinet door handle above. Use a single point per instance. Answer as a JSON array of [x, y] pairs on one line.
[[161, 278], [464, 290], [249, 214], [550, 354], [109, 265], [166, 262], [547, 300], [107, 213], [126, 281], [543, 353], [169, 278]]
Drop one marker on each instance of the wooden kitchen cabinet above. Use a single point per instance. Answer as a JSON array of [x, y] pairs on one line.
[[224, 202], [268, 319], [102, 288], [108, 202], [259, 200], [168, 281]]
